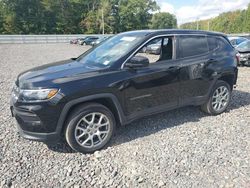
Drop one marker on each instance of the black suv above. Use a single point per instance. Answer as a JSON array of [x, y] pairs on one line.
[[83, 99]]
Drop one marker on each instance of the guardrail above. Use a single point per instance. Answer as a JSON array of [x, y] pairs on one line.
[[22, 39]]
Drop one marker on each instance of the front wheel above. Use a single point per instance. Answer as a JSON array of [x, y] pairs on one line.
[[90, 128], [219, 98]]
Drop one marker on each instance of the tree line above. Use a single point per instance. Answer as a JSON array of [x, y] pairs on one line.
[[229, 22], [112, 16], [81, 16]]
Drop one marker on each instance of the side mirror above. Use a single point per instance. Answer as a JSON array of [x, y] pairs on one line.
[[137, 62]]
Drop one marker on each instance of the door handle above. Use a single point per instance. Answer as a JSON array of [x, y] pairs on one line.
[[211, 61], [174, 68]]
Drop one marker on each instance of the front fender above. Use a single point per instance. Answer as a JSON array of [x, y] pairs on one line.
[[71, 103]]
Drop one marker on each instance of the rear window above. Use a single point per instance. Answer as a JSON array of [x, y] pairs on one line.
[[192, 46]]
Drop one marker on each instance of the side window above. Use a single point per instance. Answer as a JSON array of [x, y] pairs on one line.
[[158, 49], [212, 43], [224, 44], [239, 40], [192, 46]]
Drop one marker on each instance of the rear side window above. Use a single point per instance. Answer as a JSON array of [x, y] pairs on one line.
[[224, 44], [192, 46], [212, 43]]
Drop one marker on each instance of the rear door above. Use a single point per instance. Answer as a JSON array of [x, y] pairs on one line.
[[193, 52]]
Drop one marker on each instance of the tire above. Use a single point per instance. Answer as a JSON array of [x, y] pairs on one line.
[[213, 107], [86, 134]]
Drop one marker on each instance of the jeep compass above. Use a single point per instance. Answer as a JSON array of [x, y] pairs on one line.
[[84, 99]]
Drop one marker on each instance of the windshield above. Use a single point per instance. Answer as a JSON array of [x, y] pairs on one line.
[[244, 45], [109, 51]]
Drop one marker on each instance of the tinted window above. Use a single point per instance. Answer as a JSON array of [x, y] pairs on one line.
[[224, 44], [212, 43], [157, 50], [244, 45], [240, 40], [192, 45], [110, 50]]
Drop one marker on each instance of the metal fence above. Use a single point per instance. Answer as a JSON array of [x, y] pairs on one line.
[[22, 39]]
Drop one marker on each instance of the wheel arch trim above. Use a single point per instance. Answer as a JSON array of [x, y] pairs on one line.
[[71, 103]]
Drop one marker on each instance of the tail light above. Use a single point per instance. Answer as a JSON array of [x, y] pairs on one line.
[[238, 58]]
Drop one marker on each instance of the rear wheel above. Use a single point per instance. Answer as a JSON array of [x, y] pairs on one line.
[[90, 128], [219, 99]]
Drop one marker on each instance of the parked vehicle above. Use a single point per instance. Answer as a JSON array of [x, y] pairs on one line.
[[155, 48], [244, 51], [84, 99], [74, 41], [81, 40], [88, 40], [235, 41], [100, 40]]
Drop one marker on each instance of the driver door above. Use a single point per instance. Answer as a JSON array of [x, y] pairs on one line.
[[156, 87]]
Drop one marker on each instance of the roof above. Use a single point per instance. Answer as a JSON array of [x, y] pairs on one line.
[[171, 31]]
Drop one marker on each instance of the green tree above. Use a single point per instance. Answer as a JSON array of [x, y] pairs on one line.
[[246, 18], [229, 22], [1, 17], [163, 20], [74, 16], [105, 16], [135, 14], [90, 23], [63, 16], [23, 16]]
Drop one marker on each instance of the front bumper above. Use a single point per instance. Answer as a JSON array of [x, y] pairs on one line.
[[245, 59], [37, 121], [41, 137], [28, 122], [245, 63]]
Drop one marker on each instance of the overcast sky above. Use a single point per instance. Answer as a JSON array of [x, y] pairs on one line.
[[191, 10]]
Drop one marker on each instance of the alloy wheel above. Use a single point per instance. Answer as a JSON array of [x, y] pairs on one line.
[[92, 130], [220, 98]]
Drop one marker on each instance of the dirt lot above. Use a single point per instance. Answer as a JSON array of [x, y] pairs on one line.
[[180, 148]]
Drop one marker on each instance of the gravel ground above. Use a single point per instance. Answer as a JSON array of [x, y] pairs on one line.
[[180, 148]]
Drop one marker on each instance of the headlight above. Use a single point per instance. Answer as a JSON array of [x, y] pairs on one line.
[[243, 55], [37, 95]]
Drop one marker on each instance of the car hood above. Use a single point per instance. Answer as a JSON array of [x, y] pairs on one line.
[[243, 50], [54, 73]]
